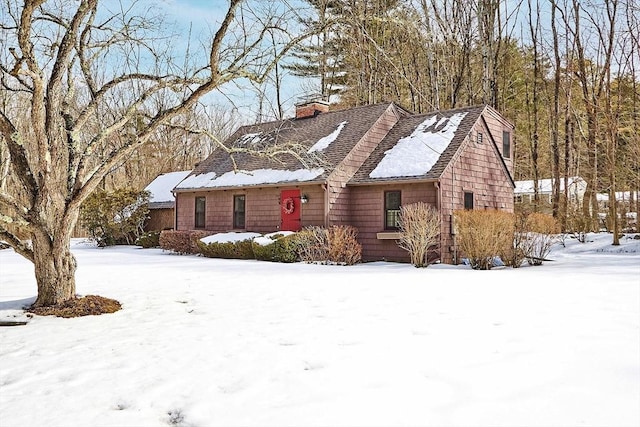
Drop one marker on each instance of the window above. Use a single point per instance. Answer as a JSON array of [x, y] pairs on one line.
[[238, 211], [468, 201], [479, 138], [506, 144], [201, 207], [391, 209]]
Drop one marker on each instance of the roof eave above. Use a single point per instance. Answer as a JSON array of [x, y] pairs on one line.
[[391, 181], [244, 187]]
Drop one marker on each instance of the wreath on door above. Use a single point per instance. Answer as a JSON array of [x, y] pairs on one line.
[[288, 206]]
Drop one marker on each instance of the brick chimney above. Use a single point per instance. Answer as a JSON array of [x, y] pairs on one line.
[[311, 109]]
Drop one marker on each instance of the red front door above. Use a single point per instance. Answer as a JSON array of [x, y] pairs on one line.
[[290, 210]]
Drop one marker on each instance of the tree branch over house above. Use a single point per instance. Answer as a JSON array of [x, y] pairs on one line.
[[84, 87]]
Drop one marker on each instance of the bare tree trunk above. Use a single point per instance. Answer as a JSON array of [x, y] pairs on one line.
[[534, 28], [488, 12], [55, 268], [592, 83], [64, 145], [568, 125], [555, 117]]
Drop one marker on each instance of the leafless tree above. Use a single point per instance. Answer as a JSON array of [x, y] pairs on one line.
[[592, 76], [97, 87], [419, 230]]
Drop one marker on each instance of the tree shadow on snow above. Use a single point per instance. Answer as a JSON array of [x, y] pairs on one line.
[[12, 312]]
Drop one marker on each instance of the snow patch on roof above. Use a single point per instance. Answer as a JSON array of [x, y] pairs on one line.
[[160, 188], [243, 178], [250, 138], [416, 154], [326, 140]]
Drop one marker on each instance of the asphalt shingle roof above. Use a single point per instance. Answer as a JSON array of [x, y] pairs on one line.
[[404, 129], [306, 132], [344, 129]]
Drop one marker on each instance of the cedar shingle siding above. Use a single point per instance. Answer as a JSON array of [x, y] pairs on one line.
[[345, 193]]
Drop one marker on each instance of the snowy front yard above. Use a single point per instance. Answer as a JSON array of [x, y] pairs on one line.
[[207, 342]]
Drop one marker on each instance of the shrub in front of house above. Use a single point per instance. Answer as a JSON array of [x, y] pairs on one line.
[[313, 244], [115, 217], [343, 245], [150, 239], [542, 233], [337, 244], [514, 255], [181, 241], [277, 247], [419, 225], [482, 235], [241, 249]]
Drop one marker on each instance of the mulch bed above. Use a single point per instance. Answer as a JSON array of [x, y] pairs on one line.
[[88, 305]]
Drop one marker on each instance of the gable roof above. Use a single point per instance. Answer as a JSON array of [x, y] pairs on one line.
[[418, 147], [160, 189], [328, 137]]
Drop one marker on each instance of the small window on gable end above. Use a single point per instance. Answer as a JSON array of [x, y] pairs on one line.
[[238, 211], [391, 210], [479, 138], [200, 212], [468, 201], [506, 144]]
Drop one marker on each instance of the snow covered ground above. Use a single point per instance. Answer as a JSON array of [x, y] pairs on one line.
[[207, 342]]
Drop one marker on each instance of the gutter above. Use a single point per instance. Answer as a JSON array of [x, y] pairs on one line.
[[244, 187], [393, 182]]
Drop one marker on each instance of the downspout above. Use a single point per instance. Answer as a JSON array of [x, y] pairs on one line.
[[439, 208], [452, 224], [175, 210], [325, 187]]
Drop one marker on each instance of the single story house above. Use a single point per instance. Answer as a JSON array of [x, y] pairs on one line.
[[162, 201], [524, 191], [353, 167], [628, 206]]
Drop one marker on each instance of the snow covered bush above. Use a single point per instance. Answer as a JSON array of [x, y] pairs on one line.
[[115, 217], [419, 229], [484, 234], [181, 242], [240, 249], [150, 239], [277, 247]]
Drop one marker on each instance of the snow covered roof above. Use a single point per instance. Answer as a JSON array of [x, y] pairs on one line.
[[161, 187], [419, 146], [620, 196], [425, 144], [244, 178], [416, 147], [545, 186], [329, 137]]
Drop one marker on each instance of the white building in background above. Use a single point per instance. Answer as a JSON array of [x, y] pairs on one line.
[[627, 204], [624, 197], [524, 191]]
